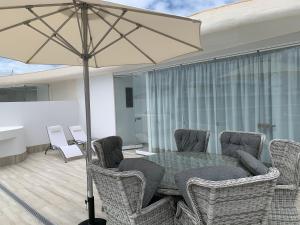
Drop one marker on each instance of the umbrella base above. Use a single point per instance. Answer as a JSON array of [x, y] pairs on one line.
[[92, 220], [97, 221]]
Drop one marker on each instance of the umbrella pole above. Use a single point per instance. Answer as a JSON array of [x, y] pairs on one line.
[[85, 59]]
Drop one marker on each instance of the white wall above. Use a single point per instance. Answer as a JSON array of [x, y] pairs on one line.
[[102, 105], [35, 116], [63, 90]]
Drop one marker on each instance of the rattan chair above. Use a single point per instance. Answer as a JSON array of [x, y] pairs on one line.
[[230, 202], [191, 140], [285, 156], [109, 151], [122, 195], [232, 141]]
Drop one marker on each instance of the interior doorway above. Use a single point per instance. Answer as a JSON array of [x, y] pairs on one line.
[[131, 111]]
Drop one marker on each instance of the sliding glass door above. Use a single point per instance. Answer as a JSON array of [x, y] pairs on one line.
[[131, 110]]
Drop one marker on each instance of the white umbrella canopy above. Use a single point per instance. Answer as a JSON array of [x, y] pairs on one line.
[[92, 33], [117, 34]]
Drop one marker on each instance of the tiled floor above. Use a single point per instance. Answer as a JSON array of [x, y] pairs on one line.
[[53, 188], [57, 190]]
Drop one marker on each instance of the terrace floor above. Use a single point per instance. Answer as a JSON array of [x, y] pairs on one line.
[[55, 189]]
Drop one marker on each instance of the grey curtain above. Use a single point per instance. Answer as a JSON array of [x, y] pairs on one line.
[[257, 92]]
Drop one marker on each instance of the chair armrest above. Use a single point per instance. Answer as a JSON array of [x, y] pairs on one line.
[[183, 208], [161, 203], [286, 187], [163, 206]]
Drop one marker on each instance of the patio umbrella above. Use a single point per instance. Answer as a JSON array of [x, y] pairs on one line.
[[92, 33]]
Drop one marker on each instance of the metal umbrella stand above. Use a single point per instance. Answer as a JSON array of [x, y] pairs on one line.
[[85, 61]]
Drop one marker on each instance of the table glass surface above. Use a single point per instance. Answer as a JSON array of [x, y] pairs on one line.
[[175, 162]]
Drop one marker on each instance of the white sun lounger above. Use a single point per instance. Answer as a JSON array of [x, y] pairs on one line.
[[79, 135], [59, 142]]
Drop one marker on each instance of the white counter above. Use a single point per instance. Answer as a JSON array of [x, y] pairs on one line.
[[12, 141]]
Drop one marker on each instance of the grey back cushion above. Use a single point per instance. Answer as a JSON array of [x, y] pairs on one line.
[[253, 165], [153, 174], [191, 140], [111, 150], [213, 173], [231, 142]]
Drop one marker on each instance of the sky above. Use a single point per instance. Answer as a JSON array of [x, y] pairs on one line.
[[177, 7]]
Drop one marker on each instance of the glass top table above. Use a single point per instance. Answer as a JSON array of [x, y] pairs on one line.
[[175, 162]]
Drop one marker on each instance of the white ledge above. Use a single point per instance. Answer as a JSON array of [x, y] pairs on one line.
[[12, 141]]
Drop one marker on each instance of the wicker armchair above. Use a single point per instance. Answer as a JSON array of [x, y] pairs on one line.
[[285, 156], [109, 151], [232, 141], [230, 202], [122, 195], [191, 140]]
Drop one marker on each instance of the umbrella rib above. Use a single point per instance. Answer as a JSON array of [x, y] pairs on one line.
[[58, 36], [115, 41], [109, 30], [140, 50], [91, 42], [129, 41], [151, 29], [47, 41], [34, 19], [78, 22], [34, 6], [51, 38]]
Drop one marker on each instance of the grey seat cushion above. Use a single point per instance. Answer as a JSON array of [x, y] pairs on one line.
[[191, 140], [253, 165], [111, 148], [213, 173], [153, 174], [231, 142]]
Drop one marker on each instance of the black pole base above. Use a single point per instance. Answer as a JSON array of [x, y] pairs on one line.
[[97, 221], [92, 220]]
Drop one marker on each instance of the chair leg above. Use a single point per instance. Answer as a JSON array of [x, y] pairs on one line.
[[47, 149]]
